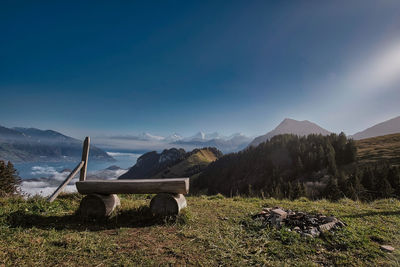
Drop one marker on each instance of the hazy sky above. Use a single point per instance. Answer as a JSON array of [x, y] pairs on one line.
[[124, 67]]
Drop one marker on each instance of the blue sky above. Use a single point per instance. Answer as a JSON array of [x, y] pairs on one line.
[[125, 67]]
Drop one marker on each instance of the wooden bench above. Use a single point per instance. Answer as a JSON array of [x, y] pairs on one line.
[[136, 186], [101, 198]]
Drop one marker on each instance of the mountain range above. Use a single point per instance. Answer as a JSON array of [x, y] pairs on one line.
[[304, 128], [147, 141], [30, 144], [237, 142], [233, 143]]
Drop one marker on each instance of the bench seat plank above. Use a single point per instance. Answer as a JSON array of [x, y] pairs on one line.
[[134, 186]]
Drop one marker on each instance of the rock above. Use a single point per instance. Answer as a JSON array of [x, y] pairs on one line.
[[311, 225], [329, 219], [281, 213], [276, 221], [340, 224], [327, 226], [307, 235], [387, 248], [314, 232], [277, 217], [258, 216]]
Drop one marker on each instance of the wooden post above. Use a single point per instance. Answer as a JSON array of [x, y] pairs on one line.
[[66, 181], [85, 156]]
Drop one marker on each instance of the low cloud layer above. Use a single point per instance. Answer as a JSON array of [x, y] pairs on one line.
[[52, 179]]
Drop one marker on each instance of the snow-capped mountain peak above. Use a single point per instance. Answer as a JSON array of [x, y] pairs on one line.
[[148, 136], [198, 137], [173, 137], [214, 135]]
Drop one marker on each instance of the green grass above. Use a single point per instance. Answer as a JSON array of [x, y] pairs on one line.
[[213, 230]]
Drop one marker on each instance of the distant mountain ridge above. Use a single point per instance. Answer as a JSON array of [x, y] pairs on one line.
[[30, 144], [391, 126], [233, 143], [290, 126], [149, 142]]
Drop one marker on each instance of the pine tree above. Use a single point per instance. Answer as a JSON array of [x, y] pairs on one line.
[[385, 189], [350, 152], [9, 180], [299, 165], [321, 157], [298, 191], [340, 147], [289, 190], [331, 160], [332, 190], [351, 193], [342, 182], [394, 180], [368, 181], [357, 189]]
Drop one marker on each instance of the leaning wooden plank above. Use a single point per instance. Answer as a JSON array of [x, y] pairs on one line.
[[85, 156], [66, 181], [139, 186]]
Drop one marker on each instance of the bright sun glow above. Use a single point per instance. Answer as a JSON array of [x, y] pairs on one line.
[[379, 72]]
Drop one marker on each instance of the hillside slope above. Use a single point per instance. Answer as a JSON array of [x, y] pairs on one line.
[[290, 126], [391, 126], [379, 148], [30, 144], [196, 162], [172, 163]]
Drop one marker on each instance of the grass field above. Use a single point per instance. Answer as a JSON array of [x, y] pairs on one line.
[[374, 149], [213, 230]]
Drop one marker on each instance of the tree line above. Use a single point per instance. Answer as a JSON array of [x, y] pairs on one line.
[[289, 166]]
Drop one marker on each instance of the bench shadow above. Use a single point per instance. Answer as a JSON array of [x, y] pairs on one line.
[[134, 218]]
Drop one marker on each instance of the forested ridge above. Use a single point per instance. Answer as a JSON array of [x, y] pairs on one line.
[[289, 166]]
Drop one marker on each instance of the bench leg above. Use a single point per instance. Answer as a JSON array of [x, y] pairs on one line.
[[96, 205], [167, 204]]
